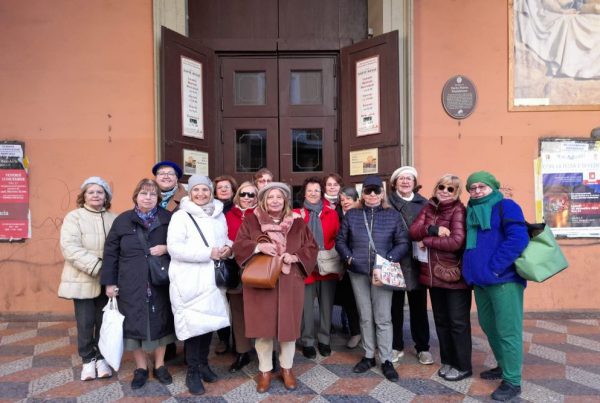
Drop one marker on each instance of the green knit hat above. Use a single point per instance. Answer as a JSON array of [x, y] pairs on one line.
[[483, 177]]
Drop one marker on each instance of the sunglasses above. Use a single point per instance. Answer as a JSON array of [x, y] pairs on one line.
[[450, 189], [247, 194], [371, 190]]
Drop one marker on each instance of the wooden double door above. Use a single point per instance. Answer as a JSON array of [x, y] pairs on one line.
[[280, 111]]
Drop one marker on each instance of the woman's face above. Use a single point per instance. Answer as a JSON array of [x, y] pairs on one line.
[[313, 192], [263, 181], [248, 197], [405, 184], [94, 197], [478, 190], [372, 195], [166, 178], [224, 190], [147, 199], [332, 187], [200, 194], [275, 201], [347, 203], [445, 192]]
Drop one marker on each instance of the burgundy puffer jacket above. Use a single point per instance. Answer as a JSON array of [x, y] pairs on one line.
[[441, 250]]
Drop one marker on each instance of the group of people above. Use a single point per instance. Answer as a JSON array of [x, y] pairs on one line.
[[442, 247]]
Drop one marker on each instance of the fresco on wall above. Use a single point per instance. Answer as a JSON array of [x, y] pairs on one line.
[[554, 52]]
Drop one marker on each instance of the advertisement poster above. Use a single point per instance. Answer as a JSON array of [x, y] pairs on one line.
[[14, 192], [367, 97], [570, 179], [191, 98], [364, 162], [195, 162]]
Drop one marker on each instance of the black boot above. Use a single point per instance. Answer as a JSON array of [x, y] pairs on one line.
[[193, 380], [207, 374], [240, 362]]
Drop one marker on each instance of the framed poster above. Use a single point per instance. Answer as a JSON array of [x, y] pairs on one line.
[[195, 162], [364, 162], [192, 114], [368, 117], [554, 55], [569, 180]]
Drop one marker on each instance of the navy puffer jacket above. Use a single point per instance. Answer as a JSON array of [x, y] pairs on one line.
[[389, 235]]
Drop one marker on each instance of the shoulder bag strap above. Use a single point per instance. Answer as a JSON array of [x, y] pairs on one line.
[[140, 233], [369, 232], [198, 228]]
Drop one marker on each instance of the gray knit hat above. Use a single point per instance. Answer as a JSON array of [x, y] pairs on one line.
[[96, 180], [199, 180], [275, 185]]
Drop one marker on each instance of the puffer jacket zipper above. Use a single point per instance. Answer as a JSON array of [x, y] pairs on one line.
[[370, 266]]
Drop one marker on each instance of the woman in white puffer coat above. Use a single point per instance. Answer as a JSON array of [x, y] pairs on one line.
[[82, 239], [199, 306]]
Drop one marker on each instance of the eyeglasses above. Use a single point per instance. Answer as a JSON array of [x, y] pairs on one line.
[[248, 194], [405, 179], [166, 174], [148, 194], [474, 189], [373, 190], [450, 189], [223, 187], [313, 191], [265, 181]]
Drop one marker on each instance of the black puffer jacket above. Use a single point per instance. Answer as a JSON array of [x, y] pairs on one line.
[[409, 211], [389, 235], [124, 264]]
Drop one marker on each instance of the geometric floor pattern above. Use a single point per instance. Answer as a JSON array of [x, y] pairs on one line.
[[39, 362]]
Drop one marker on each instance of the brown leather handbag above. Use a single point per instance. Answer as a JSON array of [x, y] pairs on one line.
[[262, 271]]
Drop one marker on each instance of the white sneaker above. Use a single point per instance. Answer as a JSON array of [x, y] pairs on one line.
[[425, 358], [88, 372], [397, 354], [103, 369]]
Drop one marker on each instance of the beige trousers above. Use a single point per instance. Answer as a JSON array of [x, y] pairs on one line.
[[264, 350]]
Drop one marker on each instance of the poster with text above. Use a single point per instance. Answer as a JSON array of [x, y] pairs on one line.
[[195, 162], [191, 98], [570, 178], [14, 204], [368, 119]]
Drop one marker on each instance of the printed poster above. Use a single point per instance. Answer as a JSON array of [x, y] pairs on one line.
[[192, 114], [367, 97], [195, 162]]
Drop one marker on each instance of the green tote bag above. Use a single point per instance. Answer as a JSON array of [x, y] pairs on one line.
[[542, 258]]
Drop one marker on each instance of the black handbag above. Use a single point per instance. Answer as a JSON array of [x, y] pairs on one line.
[[227, 272], [158, 266]]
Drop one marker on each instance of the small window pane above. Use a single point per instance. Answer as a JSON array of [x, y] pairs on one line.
[[297, 197], [306, 88], [250, 150], [250, 88], [307, 150]]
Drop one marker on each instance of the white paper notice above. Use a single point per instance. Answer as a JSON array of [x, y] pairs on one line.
[[420, 254], [191, 98], [367, 96]]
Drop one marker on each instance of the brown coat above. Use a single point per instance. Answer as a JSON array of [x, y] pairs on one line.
[[276, 313], [444, 250], [173, 204]]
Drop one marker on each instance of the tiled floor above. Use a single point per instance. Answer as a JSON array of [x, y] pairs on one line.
[[39, 362]]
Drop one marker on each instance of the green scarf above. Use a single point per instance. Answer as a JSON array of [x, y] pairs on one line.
[[479, 213]]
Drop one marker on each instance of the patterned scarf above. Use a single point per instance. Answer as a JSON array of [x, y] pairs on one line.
[[147, 218], [276, 232], [166, 196], [479, 214]]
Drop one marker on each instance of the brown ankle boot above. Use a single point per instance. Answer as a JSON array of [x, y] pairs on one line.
[[263, 381], [289, 380]]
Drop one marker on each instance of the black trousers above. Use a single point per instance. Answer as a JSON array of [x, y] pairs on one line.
[[419, 323], [88, 317], [196, 349], [452, 316]]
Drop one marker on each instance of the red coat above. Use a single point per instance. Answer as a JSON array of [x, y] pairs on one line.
[[234, 218], [331, 226], [276, 313], [447, 250]]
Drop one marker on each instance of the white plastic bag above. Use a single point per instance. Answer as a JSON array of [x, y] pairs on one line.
[[111, 334]]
